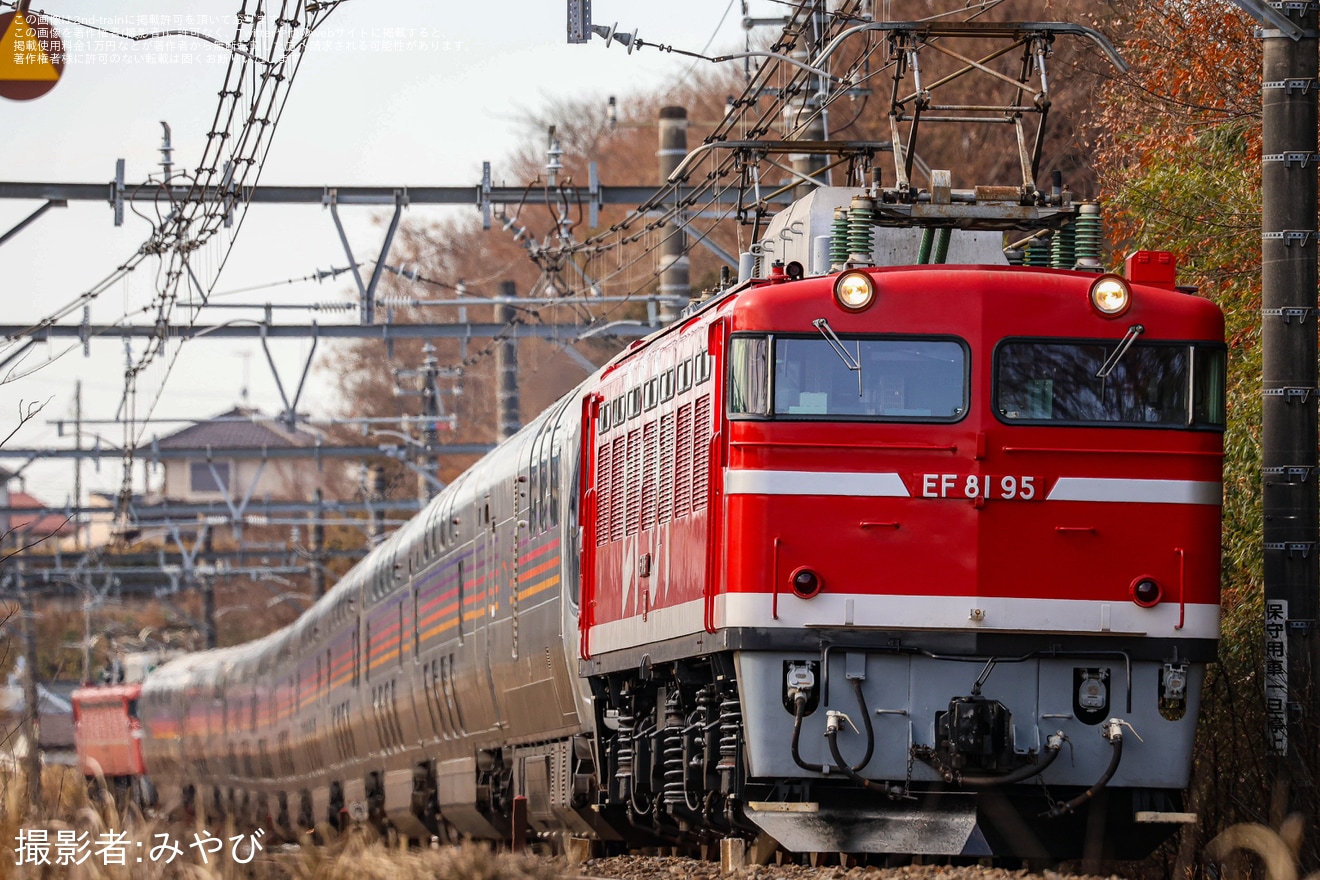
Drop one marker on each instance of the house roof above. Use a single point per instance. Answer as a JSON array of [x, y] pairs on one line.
[[30, 524], [239, 428]]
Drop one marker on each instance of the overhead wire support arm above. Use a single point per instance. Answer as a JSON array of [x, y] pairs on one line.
[[288, 331], [856, 149], [367, 292], [117, 193], [32, 218], [611, 34], [291, 406], [1266, 14], [1013, 29], [261, 512]]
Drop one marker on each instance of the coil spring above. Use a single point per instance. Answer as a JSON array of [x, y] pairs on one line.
[[707, 700], [839, 239], [1062, 248], [861, 230], [730, 733], [671, 754], [1088, 232], [627, 724]]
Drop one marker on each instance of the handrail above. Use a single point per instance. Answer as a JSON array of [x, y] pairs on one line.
[[1182, 587], [711, 586]]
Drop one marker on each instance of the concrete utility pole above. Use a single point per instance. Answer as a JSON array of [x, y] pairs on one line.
[[506, 369], [208, 612], [1288, 300], [430, 463], [31, 700], [88, 604], [208, 595], [315, 546], [674, 263], [377, 493], [77, 464], [427, 390], [804, 118]]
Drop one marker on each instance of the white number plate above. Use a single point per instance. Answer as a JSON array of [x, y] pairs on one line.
[[1007, 487]]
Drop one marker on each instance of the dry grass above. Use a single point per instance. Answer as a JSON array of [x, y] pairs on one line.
[[67, 812]]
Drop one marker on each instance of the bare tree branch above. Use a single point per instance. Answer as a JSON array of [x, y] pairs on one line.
[[25, 415]]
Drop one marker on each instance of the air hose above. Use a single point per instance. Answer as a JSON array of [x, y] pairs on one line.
[[800, 706], [1112, 731], [1053, 744], [800, 701], [832, 735]]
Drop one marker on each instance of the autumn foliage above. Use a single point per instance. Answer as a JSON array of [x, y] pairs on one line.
[[1180, 164]]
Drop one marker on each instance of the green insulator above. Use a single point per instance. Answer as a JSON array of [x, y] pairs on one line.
[[942, 238], [927, 243], [839, 239], [1061, 248], [861, 230], [1088, 238], [1037, 253]]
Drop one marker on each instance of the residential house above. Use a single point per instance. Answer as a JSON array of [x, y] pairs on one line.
[[239, 454], [18, 529]]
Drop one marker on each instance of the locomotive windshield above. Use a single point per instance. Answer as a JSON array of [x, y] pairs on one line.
[[889, 378], [1152, 384]]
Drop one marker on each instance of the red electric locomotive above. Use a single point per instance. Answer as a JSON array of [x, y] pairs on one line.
[[843, 560], [865, 550]]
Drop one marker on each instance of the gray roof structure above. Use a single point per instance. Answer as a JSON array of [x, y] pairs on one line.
[[239, 428]]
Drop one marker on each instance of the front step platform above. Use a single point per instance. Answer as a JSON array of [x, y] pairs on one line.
[[948, 829]]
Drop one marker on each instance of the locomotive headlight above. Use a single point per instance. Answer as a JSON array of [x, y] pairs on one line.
[[1145, 592], [804, 583], [854, 291], [1110, 295]]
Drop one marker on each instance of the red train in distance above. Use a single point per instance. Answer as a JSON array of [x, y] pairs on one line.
[[107, 732]]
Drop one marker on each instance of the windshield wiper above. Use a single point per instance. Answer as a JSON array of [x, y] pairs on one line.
[[1108, 366], [844, 355], [852, 363]]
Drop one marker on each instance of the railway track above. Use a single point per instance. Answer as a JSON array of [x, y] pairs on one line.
[[828, 868], [457, 863]]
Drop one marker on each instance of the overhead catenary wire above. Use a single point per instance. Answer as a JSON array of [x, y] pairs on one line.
[[177, 273], [232, 158], [714, 34], [662, 209], [154, 35], [753, 125], [723, 130]]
